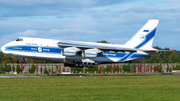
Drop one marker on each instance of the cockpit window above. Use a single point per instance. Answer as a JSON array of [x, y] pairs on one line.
[[19, 39]]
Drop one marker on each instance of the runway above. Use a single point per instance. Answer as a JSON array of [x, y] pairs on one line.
[[79, 75]]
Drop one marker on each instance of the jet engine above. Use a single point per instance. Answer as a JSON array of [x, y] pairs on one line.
[[90, 53], [70, 51]]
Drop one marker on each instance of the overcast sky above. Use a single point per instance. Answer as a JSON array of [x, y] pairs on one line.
[[115, 21]]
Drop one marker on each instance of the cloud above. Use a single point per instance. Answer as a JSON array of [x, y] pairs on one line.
[[27, 33], [96, 3], [73, 31], [118, 40], [19, 8], [61, 34]]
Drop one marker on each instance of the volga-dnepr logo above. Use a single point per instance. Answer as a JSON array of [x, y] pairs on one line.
[[142, 37], [39, 49]]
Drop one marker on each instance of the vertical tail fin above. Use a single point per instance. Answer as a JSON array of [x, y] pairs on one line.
[[143, 39]]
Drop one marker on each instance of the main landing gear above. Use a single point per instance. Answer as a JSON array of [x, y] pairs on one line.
[[81, 65]]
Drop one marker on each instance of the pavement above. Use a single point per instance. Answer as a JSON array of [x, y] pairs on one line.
[[83, 75]]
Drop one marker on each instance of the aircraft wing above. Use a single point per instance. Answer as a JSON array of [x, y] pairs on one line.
[[97, 46]]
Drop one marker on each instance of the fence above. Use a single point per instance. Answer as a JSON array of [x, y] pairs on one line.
[[59, 67]]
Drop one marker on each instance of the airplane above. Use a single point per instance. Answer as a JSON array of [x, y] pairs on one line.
[[85, 54]]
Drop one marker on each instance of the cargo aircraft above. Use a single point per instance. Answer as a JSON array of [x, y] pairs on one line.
[[85, 54]]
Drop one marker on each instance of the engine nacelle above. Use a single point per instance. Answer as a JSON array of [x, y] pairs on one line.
[[70, 51], [90, 53]]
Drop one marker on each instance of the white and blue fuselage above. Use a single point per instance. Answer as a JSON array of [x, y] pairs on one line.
[[138, 46], [46, 49]]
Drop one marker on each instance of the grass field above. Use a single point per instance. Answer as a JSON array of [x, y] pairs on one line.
[[126, 88]]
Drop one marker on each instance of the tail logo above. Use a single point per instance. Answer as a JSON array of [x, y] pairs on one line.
[[142, 37]]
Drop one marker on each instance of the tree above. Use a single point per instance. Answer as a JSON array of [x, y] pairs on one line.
[[1, 56], [155, 58], [104, 69], [124, 67], [32, 69], [114, 69], [117, 68], [160, 67], [5, 68], [154, 68], [41, 70], [75, 69], [99, 71], [45, 70], [134, 68], [174, 57], [170, 70], [79, 69], [82, 70], [49, 71], [18, 69], [1, 68], [7, 59], [96, 68], [128, 67], [165, 55], [52, 70], [107, 68], [13, 68], [103, 41]]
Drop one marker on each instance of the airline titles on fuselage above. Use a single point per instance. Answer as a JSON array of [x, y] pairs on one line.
[[34, 44]]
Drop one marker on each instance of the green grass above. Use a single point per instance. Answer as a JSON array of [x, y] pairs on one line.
[[125, 88]]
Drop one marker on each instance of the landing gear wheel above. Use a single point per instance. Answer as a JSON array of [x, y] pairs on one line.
[[80, 65], [76, 65]]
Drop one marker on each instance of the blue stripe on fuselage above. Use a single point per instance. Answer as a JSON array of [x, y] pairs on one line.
[[33, 49], [126, 57]]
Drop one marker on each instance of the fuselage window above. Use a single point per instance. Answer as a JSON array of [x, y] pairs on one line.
[[19, 39]]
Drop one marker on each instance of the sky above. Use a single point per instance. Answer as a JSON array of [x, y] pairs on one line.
[[115, 21]]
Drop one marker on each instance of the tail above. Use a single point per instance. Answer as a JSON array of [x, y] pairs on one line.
[[143, 39]]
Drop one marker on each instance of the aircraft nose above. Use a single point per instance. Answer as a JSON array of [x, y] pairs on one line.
[[3, 49]]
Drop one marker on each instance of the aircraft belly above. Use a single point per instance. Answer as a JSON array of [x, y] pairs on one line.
[[41, 56]]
